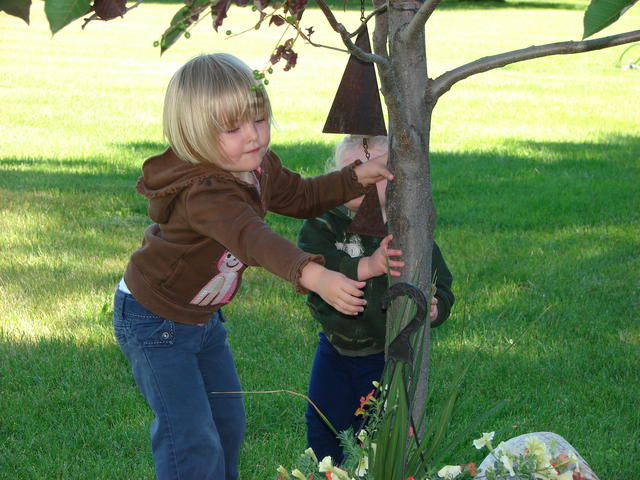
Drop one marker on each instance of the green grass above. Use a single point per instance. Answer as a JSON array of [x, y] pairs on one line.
[[535, 171]]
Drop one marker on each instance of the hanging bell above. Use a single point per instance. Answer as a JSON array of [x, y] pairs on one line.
[[356, 108]]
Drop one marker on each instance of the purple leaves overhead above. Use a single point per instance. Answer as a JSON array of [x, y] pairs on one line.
[[285, 52], [109, 9]]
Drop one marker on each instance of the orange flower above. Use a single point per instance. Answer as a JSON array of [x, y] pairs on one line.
[[410, 432], [363, 402], [472, 469]]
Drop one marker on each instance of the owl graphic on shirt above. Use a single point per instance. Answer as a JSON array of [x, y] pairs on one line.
[[220, 289], [352, 246]]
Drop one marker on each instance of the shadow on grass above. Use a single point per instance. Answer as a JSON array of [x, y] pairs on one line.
[[552, 186], [77, 396], [81, 397]]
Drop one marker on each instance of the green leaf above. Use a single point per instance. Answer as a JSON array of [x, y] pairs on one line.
[[170, 36], [61, 13], [183, 18], [602, 13], [17, 8]]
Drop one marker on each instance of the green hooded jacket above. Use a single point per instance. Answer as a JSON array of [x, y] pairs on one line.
[[364, 333]]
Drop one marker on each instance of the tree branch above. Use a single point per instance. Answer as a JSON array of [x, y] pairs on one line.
[[346, 37], [381, 9], [420, 19], [444, 82]]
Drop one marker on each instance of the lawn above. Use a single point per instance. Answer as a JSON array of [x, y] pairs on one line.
[[536, 170]]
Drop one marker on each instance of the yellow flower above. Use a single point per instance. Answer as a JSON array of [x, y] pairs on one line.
[[341, 474], [484, 441], [449, 472], [539, 450], [298, 474], [508, 464], [363, 466], [325, 465], [283, 472], [311, 454]]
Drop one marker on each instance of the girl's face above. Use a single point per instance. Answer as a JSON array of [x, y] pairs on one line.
[[244, 146], [358, 153]]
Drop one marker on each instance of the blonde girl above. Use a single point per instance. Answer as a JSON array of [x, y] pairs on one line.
[[208, 194]]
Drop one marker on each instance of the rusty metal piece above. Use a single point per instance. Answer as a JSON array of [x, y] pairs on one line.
[[356, 108], [369, 220], [400, 347]]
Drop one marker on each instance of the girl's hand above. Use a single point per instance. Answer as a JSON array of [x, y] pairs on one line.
[[433, 313], [373, 171], [340, 292], [376, 264]]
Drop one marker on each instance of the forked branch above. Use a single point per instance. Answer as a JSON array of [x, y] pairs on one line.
[[444, 82]]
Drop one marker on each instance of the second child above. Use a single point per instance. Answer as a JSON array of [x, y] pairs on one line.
[[350, 352]]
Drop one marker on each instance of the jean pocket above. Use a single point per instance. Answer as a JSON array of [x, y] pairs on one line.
[[152, 330]]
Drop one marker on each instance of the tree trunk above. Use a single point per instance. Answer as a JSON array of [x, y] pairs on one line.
[[410, 210]]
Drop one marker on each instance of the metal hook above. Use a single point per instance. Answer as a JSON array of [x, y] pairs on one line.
[[400, 347]]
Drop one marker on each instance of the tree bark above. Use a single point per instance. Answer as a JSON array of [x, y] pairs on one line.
[[410, 209]]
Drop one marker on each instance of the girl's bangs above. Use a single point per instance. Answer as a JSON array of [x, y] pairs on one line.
[[242, 105]]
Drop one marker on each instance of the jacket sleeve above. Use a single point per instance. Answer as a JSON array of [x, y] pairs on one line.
[[222, 212], [317, 236], [298, 197], [443, 280]]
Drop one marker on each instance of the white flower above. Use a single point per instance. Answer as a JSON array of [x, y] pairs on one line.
[[298, 474], [311, 454], [448, 472], [325, 465], [363, 466], [484, 440], [508, 464], [362, 435]]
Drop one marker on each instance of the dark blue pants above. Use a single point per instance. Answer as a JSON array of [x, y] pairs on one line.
[[336, 385], [195, 434]]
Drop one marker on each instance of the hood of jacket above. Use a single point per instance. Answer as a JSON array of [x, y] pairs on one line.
[[164, 176]]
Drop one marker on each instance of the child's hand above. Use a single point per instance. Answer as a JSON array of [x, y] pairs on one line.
[[373, 171], [433, 313], [340, 292], [376, 264]]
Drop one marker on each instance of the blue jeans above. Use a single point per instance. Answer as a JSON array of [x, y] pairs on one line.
[[336, 385], [196, 435]]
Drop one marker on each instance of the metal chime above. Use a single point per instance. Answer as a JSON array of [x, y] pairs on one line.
[[356, 110]]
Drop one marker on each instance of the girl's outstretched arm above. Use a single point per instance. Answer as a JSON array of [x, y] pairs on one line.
[[340, 292]]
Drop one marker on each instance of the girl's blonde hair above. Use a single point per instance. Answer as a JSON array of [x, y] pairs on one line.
[[353, 143], [210, 94]]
